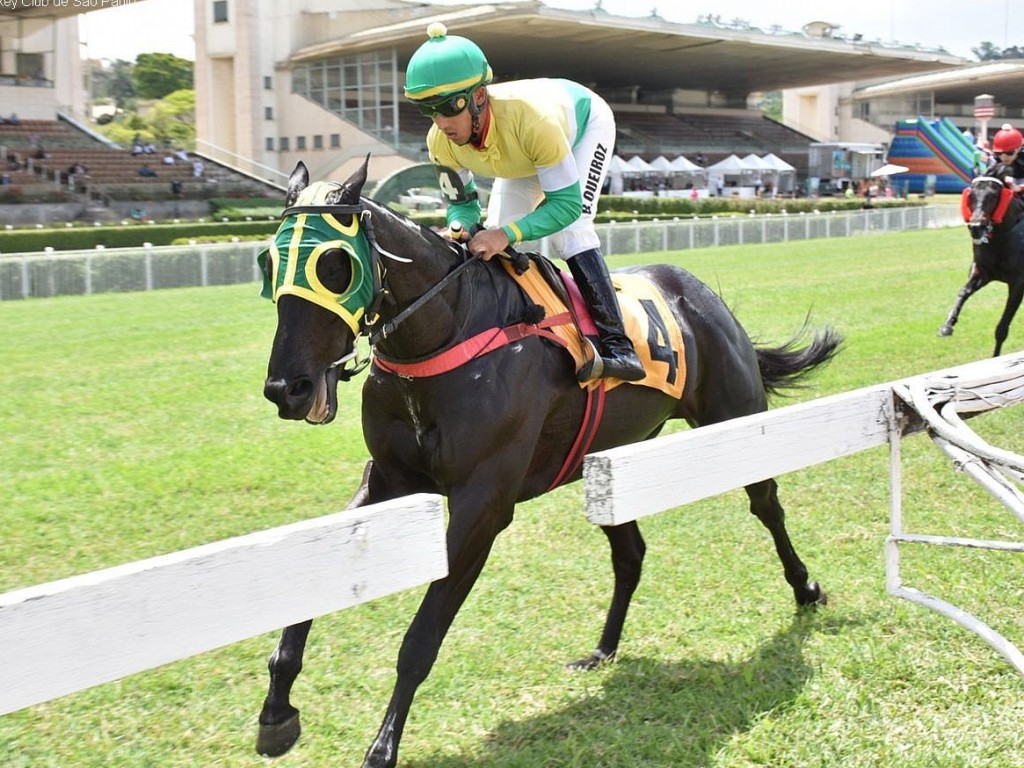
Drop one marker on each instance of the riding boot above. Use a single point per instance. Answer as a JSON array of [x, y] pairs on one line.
[[618, 357]]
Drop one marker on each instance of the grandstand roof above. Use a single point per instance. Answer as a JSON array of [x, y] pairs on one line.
[[1003, 80], [524, 39]]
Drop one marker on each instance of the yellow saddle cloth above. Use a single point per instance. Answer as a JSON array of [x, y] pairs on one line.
[[648, 322]]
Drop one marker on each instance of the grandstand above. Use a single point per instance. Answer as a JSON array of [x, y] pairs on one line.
[[38, 156], [323, 85]]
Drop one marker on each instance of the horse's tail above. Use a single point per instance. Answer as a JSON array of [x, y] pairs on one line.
[[787, 365]]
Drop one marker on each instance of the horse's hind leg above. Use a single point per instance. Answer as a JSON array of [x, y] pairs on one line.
[[279, 720], [764, 503], [628, 550], [1013, 298]]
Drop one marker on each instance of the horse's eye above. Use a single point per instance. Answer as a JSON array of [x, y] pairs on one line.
[[334, 270]]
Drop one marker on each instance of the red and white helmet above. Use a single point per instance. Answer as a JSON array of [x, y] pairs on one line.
[[1007, 139]]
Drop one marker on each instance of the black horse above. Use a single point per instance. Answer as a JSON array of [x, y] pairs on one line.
[[487, 434], [993, 216]]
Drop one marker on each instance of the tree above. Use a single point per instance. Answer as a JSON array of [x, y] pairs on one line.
[[172, 121], [988, 52], [158, 74]]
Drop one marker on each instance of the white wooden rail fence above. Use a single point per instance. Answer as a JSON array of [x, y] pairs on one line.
[[94, 628], [634, 481], [90, 629]]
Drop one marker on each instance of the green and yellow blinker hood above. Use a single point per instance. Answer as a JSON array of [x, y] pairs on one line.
[[308, 231]]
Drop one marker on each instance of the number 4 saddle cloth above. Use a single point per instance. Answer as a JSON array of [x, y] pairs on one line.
[[648, 322]]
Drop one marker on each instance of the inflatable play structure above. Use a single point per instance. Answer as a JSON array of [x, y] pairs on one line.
[[933, 148]]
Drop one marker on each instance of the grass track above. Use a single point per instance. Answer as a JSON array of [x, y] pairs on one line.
[[133, 425]]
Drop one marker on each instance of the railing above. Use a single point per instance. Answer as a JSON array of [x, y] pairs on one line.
[[55, 273], [634, 481]]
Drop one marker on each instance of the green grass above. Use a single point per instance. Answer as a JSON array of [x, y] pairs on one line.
[[133, 425]]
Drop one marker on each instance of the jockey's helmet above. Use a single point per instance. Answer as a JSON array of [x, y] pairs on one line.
[[1007, 139], [443, 72]]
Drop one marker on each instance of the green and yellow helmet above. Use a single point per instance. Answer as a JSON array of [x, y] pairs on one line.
[[444, 66]]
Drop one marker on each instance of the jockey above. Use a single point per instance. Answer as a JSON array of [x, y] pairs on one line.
[[547, 144], [1006, 151]]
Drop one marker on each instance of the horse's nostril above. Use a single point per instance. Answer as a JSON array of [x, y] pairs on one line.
[[300, 388]]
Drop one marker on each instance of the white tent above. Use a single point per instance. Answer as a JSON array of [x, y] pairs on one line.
[[617, 170], [778, 163], [682, 165], [640, 165], [782, 175], [731, 166], [661, 163]]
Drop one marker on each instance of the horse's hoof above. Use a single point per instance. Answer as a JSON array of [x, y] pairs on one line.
[[275, 740], [946, 330], [811, 596], [593, 661]]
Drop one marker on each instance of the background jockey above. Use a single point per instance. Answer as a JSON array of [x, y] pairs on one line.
[[1006, 151], [547, 144]]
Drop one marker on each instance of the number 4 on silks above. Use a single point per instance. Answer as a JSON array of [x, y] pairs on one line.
[[658, 339], [451, 185]]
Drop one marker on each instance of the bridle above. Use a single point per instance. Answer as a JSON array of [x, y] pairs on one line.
[[988, 222], [352, 363]]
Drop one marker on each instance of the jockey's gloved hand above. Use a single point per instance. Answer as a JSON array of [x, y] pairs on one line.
[[457, 232]]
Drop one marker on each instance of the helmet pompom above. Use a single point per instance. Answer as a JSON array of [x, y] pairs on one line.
[[436, 30]]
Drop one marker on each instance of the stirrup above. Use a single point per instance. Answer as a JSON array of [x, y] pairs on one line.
[[593, 368]]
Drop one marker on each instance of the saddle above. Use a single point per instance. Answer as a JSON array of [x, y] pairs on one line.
[[648, 322]]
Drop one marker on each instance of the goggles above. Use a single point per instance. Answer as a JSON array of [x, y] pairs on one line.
[[446, 106]]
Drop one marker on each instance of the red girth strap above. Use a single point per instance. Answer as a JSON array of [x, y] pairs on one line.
[[493, 339], [588, 429], [472, 348]]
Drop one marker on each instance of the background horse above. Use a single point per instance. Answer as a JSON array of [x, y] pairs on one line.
[[489, 433], [993, 216]]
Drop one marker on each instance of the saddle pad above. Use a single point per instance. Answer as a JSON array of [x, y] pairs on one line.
[[649, 323]]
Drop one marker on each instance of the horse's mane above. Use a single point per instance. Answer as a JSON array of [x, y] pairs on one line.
[[1000, 170]]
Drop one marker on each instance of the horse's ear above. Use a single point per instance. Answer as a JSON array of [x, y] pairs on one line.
[[297, 182], [353, 186]]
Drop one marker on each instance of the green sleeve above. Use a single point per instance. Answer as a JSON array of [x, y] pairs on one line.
[[559, 209], [467, 211]]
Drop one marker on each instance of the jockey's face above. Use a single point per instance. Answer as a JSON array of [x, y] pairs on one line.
[[459, 128]]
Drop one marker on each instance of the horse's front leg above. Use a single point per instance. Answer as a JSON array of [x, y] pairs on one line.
[[974, 282], [279, 720], [1013, 297], [474, 524]]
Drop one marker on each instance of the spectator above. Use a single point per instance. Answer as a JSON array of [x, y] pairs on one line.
[[197, 168], [145, 170], [168, 159], [182, 155], [176, 188]]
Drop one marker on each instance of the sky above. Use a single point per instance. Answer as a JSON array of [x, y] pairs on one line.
[[165, 26]]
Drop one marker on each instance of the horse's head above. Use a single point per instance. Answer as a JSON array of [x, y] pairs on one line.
[[320, 272], [984, 204]]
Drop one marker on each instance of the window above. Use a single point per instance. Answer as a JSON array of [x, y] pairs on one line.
[[282, 144], [268, 83], [300, 142], [335, 141], [220, 11], [270, 144], [268, 113], [318, 141]]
